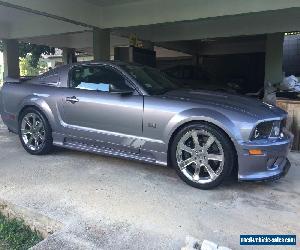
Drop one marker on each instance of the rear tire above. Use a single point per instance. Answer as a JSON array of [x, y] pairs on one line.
[[202, 155], [35, 132]]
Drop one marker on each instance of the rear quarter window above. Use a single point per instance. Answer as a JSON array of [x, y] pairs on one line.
[[49, 78]]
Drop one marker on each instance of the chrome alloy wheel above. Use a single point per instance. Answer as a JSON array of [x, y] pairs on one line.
[[33, 131], [200, 156]]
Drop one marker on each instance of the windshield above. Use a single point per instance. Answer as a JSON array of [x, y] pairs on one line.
[[152, 80]]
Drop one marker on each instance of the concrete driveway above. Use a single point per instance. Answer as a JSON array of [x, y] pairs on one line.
[[108, 203]]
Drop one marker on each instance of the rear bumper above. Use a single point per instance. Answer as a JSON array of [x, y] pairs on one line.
[[271, 165]]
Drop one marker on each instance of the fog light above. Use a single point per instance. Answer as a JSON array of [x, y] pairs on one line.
[[255, 152]]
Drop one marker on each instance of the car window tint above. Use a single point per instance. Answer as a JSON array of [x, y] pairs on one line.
[[98, 78], [49, 79], [152, 80]]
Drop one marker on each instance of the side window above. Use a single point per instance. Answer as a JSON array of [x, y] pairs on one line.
[[49, 79], [99, 78]]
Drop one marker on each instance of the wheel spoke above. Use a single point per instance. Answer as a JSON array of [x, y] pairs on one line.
[[209, 142], [185, 148], [30, 140], [183, 164], [36, 142], [41, 137], [215, 157], [26, 132], [196, 175], [39, 126], [34, 121], [196, 140], [26, 120], [210, 171]]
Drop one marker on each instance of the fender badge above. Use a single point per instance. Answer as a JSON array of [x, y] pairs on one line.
[[151, 125]]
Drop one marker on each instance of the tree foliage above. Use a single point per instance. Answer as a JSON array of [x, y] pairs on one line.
[[34, 50], [27, 70]]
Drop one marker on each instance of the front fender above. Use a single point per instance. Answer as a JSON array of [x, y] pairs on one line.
[[203, 114]]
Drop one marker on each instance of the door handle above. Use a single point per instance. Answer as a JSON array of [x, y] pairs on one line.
[[72, 99]]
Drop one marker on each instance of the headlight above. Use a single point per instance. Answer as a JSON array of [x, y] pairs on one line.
[[265, 130], [262, 131], [276, 129]]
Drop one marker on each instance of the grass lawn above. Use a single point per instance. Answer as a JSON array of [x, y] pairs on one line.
[[15, 235]]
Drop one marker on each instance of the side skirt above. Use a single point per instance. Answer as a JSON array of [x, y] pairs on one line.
[[82, 144], [107, 152]]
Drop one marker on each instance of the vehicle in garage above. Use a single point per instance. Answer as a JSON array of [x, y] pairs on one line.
[[190, 76], [136, 112], [240, 74]]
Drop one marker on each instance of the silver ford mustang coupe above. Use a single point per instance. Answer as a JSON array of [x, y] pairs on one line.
[[138, 113]]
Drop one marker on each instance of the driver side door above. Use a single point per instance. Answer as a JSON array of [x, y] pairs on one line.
[[101, 108]]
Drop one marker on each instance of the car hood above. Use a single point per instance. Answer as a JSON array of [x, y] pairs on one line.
[[247, 105]]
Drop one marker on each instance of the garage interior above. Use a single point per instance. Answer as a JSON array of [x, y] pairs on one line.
[[240, 50], [221, 61]]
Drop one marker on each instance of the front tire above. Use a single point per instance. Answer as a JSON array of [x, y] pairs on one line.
[[202, 155], [35, 132]]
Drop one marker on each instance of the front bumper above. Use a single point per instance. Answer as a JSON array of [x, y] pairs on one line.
[[271, 165]]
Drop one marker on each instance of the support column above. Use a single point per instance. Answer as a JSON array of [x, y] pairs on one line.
[[197, 60], [11, 58], [273, 65], [101, 44], [69, 56], [274, 58]]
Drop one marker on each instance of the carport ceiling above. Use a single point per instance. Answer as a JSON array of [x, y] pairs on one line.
[[226, 26], [110, 2], [125, 13], [15, 23]]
